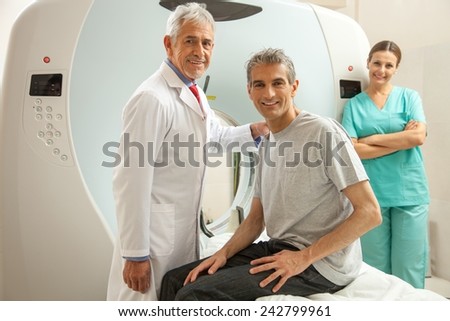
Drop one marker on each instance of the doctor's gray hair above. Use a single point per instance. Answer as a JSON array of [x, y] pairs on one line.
[[271, 56], [191, 11]]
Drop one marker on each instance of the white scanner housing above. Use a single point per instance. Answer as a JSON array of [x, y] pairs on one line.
[[71, 66]]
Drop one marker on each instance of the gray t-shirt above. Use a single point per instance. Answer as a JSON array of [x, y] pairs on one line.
[[302, 171]]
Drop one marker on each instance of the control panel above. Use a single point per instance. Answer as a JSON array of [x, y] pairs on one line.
[[45, 117]]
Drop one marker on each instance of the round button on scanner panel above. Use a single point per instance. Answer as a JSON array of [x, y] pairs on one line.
[[45, 118]]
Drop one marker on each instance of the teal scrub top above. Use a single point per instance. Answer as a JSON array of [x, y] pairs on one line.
[[397, 179]]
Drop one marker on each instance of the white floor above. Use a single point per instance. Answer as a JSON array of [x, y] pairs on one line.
[[438, 285]]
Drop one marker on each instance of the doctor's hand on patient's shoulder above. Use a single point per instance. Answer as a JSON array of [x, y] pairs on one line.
[[211, 264], [137, 275], [259, 129], [284, 263]]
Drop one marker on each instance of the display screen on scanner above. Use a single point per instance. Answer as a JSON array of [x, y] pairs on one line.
[[46, 85]]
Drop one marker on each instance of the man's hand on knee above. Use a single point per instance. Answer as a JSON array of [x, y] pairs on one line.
[[211, 265]]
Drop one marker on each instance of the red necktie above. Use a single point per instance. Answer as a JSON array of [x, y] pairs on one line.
[[194, 90]]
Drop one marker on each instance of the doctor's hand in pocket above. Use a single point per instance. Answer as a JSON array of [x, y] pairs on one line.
[[136, 274]]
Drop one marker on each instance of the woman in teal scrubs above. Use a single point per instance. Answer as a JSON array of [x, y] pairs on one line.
[[387, 125]]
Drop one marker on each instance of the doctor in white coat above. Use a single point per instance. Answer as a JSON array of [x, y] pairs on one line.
[[158, 184]]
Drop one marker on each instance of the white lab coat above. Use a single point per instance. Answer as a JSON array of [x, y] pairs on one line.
[[158, 207]]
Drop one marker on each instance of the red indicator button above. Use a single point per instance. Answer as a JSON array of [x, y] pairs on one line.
[[350, 68], [46, 60]]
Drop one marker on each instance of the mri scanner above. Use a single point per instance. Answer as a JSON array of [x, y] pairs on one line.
[[71, 66]]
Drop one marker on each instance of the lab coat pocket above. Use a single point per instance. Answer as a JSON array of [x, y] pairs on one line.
[[162, 229]]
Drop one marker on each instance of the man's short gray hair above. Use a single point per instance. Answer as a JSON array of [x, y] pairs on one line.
[[271, 56], [190, 11]]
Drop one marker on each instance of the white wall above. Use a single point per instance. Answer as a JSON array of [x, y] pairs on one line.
[[411, 23], [428, 72], [420, 28]]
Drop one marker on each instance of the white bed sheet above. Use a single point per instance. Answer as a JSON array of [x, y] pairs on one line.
[[370, 285]]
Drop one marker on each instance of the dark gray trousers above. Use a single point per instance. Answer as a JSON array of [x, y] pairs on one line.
[[234, 282]]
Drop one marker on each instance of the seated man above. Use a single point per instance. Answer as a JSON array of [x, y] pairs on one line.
[[311, 194]]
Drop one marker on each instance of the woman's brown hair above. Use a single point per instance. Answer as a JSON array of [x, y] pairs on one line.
[[386, 45]]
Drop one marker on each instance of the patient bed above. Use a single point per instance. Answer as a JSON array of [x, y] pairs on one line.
[[370, 285]]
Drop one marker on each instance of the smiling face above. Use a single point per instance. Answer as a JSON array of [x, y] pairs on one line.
[[382, 66], [191, 51], [272, 94]]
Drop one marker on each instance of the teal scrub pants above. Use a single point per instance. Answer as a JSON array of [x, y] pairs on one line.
[[399, 246]]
